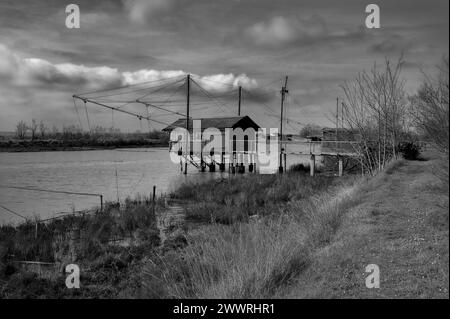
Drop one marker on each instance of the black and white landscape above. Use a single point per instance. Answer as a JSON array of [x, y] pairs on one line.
[[224, 149]]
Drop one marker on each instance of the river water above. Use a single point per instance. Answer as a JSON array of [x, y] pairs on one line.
[[113, 173], [83, 171]]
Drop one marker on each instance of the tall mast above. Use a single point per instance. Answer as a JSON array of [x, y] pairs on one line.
[[240, 97], [188, 97], [283, 94]]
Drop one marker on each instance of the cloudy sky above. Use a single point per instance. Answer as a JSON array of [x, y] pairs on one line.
[[319, 44]]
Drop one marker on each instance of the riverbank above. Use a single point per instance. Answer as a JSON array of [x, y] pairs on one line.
[[58, 145], [114, 248], [250, 236], [401, 224], [319, 248]]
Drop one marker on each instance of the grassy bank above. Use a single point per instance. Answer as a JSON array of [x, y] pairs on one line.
[[227, 201], [252, 236], [400, 223], [108, 245], [319, 245], [258, 257], [119, 249]]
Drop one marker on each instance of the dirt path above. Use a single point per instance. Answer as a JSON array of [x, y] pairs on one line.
[[402, 226]]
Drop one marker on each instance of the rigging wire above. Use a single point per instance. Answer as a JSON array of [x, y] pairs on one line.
[[115, 108], [158, 88], [76, 111], [171, 95], [145, 95], [163, 109], [131, 85], [87, 116], [12, 212], [262, 103], [207, 94], [148, 121]]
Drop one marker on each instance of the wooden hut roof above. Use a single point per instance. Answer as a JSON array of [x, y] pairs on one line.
[[220, 123]]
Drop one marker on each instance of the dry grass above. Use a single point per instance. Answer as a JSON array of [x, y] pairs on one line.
[[400, 224], [249, 260], [108, 269]]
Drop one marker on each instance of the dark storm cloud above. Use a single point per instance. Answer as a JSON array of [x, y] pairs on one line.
[[391, 44], [279, 32], [318, 43]]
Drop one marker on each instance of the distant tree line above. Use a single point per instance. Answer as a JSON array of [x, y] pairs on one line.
[[310, 130], [40, 131]]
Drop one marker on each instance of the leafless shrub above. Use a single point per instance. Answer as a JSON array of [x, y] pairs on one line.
[[21, 130], [430, 110], [374, 107]]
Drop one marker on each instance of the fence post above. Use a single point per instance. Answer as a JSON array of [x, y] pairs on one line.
[[154, 199], [312, 165], [341, 166], [74, 237]]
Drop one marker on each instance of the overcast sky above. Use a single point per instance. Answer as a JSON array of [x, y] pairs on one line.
[[254, 43]]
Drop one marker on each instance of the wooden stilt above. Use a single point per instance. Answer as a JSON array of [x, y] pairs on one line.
[[312, 165]]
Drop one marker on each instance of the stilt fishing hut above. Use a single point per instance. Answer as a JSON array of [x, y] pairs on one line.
[[217, 141]]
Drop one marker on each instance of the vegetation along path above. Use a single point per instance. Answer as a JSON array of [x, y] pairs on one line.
[[401, 224]]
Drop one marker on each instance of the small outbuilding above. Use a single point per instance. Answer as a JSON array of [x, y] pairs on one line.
[[233, 138]]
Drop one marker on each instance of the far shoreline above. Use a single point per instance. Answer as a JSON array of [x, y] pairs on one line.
[[39, 148]]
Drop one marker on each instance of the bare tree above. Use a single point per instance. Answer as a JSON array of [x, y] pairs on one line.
[[430, 108], [374, 107], [55, 131], [33, 128], [42, 129], [21, 130], [310, 130]]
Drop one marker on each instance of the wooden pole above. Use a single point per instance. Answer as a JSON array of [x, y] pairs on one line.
[[379, 139], [312, 165], [283, 93], [154, 199], [222, 161], [188, 97], [337, 123], [240, 98], [341, 166]]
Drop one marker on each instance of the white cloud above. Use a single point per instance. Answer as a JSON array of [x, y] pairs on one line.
[[9, 62], [223, 82], [33, 71], [285, 30], [140, 76], [140, 11]]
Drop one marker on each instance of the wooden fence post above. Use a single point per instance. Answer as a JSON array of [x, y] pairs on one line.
[[312, 165], [154, 199]]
